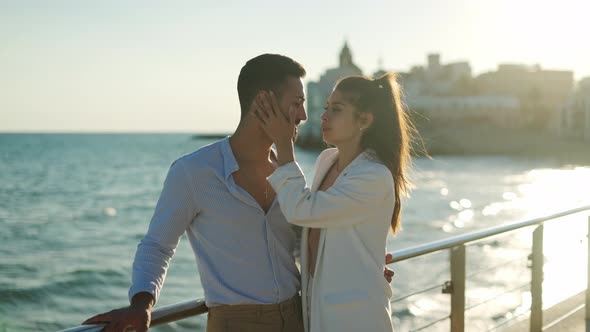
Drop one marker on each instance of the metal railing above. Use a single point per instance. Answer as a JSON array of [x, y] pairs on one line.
[[160, 316], [455, 287]]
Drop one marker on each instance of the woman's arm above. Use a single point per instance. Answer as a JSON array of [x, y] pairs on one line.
[[361, 192]]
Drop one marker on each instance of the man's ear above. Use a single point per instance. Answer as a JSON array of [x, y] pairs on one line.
[[259, 94]]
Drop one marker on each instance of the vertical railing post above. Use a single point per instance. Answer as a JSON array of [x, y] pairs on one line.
[[458, 284], [588, 278], [536, 324]]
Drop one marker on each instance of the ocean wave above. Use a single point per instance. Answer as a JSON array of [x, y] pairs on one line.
[[77, 283]]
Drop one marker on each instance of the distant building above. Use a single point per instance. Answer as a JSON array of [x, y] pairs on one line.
[[447, 93], [574, 119], [437, 79], [513, 96], [541, 92], [318, 92], [502, 111]]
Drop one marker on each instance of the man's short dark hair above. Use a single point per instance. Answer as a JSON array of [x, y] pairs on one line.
[[265, 72]]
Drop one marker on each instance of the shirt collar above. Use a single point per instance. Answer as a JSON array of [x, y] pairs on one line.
[[230, 165]]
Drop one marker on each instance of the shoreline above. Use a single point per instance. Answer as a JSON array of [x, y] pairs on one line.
[[469, 139], [477, 139]]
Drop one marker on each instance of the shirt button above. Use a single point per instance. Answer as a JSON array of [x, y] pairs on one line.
[[344, 174]]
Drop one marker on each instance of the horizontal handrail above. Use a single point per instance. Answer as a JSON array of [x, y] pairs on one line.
[[178, 311], [160, 316], [454, 241]]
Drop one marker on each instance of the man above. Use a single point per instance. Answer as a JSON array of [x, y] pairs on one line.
[[220, 197]]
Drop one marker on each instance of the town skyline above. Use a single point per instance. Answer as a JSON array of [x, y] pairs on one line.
[[377, 69], [152, 67]]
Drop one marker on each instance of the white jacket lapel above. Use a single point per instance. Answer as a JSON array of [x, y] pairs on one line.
[[325, 161]]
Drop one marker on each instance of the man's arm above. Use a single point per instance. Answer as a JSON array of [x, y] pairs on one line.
[[387, 273], [175, 210], [137, 315], [143, 300]]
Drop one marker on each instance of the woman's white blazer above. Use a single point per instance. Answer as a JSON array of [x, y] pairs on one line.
[[349, 292]]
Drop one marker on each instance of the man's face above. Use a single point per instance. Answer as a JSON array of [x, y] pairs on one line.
[[293, 98]]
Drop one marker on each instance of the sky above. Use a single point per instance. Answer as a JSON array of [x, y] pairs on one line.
[[172, 66]]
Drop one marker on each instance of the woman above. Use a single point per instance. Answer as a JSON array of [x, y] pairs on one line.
[[353, 201]]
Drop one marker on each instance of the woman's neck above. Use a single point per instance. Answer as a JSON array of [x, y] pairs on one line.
[[346, 154]]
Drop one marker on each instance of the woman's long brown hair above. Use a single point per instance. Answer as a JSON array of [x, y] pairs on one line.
[[391, 132]]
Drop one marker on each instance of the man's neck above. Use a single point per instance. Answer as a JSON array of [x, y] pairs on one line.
[[250, 144]]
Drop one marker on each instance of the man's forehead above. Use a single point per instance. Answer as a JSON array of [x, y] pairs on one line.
[[294, 87]]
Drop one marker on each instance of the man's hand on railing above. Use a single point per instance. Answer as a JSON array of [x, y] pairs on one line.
[[387, 273], [137, 316]]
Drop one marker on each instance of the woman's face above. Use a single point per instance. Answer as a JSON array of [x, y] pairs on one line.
[[340, 121]]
